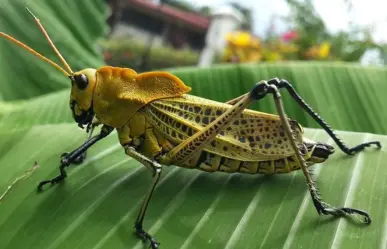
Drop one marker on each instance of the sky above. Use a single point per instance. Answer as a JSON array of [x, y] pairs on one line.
[[333, 12]]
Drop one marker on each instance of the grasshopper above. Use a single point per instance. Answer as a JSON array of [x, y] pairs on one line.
[[159, 123]]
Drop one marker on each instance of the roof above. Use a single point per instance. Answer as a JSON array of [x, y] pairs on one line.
[[190, 19]]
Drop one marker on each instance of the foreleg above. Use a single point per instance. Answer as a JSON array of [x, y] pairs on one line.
[[72, 156]]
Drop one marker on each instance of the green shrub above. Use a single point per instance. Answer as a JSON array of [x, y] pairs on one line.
[[129, 53]]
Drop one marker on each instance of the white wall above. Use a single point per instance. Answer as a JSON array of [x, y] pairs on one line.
[[122, 30]]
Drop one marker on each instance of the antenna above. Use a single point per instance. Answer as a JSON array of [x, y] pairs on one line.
[[50, 42], [10, 38]]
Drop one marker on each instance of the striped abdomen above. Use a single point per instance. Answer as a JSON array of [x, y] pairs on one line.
[[206, 161], [210, 163]]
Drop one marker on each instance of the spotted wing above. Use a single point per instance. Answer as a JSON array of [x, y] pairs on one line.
[[252, 136]]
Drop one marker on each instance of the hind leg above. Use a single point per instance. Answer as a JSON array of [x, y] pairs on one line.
[[300, 101], [321, 207]]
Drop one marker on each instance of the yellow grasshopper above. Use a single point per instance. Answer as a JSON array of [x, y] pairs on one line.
[[158, 123]]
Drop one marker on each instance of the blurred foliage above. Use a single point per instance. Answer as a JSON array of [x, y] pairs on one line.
[[308, 24], [129, 53], [242, 46], [306, 39], [345, 45], [73, 30]]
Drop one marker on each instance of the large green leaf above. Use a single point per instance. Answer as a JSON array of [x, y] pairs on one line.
[[74, 26], [97, 204], [47, 109]]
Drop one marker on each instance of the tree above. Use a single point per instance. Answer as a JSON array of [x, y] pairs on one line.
[[345, 45]]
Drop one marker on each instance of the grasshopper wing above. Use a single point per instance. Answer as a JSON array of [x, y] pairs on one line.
[[252, 136]]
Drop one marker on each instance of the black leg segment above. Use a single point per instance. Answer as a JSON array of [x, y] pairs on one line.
[[146, 237], [69, 158], [89, 129], [350, 151]]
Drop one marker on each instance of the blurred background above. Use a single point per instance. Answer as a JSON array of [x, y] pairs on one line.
[[150, 34]]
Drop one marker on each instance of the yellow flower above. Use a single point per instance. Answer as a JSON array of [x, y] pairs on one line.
[[318, 52], [242, 39], [324, 50]]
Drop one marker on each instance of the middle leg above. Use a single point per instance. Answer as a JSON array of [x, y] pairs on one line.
[[156, 171], [90, 129]]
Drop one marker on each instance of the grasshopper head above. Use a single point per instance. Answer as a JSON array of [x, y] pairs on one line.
[[81, 97]]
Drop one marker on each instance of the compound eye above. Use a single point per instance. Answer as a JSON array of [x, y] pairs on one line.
[[81, 81]]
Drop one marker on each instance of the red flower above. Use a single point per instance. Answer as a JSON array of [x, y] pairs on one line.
[[289, 36]]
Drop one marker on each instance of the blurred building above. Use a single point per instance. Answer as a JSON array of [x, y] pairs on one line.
[[144, 21]]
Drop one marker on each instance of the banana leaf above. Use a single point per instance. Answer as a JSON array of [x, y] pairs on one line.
[[97, 204]]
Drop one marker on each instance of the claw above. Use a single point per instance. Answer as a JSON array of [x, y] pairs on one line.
[[52, 181], [326, 209], [361, 147], [367, 217], [154, 245], [146, 237]]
